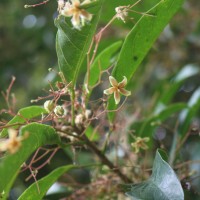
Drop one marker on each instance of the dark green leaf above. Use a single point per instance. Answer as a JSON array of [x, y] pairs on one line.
[[39, 135], [22, 116], [162, 185], [72, 45]]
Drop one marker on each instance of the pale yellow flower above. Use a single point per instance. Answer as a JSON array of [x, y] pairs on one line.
[[117, 88], [140, 143], [13, 143], [74, 10]]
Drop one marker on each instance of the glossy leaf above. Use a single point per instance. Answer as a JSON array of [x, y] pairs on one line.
[[72, 45], [141, 38], [162, 185], [22, 116], [44, 184], [39, 135]]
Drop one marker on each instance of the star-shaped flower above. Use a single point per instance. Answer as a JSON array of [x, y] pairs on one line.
[[117, 88], [13, 143], [74, 10]]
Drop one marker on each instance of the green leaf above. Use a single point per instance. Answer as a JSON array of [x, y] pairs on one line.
[[140, 40], [22, 116], [102, 62], [39, 135], [44, 184], [72, 45], [162, 185]]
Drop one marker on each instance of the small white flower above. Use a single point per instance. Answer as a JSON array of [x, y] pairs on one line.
[[74, 10], [88, 114], [122, 13]]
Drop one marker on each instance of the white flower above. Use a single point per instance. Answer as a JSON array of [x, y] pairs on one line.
[[74, 10], [121, 13], [117, 88]]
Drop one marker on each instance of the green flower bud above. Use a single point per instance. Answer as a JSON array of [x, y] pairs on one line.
[[59, 111], [49, 106]]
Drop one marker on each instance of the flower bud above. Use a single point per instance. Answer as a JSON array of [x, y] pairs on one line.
[[79, 120], [49, 106], [88, 114], [71, 137], [59, 111]]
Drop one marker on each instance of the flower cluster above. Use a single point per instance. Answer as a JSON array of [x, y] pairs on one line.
[[74, 9]]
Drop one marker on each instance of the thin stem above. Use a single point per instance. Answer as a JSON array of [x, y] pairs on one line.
[[72, 107], [35, 5], [7, 94]]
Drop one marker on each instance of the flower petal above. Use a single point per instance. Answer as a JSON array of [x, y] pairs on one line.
[[144, 146], [125, 92], [3, 146], [76, 3], [85, 2], [146, 139], [113, 81], [117, 97], [12, 134], [109, 91], [76, 21], [85, 15], [67, 13], [68, 10], [123, 83]]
